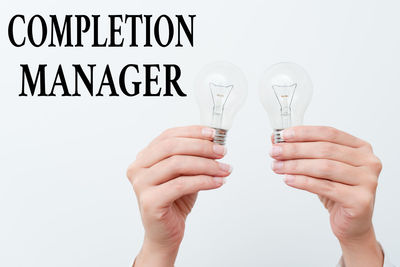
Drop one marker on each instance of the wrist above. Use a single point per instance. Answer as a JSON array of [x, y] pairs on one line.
[[362, 250], [154, 254]]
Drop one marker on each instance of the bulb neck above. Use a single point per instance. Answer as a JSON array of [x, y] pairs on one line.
[[220, 136], [278, 137]]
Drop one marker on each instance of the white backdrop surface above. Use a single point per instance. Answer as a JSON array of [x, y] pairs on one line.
[[64, 197]]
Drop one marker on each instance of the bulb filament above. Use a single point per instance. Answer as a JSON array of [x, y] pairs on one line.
[[220, 94], [284, 94]]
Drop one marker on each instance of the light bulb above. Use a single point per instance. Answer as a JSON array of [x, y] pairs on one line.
[[221, 90], [285, 92]]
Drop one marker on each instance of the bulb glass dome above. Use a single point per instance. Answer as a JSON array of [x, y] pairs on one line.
[[221, 90], [285, 92]]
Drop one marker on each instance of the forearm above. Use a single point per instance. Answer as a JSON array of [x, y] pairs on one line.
[[166, 177], [362, 252], [156, 255]]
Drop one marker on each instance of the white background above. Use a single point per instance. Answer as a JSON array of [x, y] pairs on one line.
[[64, 197]]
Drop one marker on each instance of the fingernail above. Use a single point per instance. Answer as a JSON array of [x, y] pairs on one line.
[[225, 167], [277, 165], [288, 134], [288, 179], [208, 132], [219, 180], [275, 151], [219, 149]]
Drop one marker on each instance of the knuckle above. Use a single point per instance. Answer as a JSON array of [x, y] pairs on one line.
[[208, 181], [368, 146], [331, 132], [302, 131], [169, 145], [203, 181], [179, 184], [370, 180], [211, 164], [374, 183], [306, 183], [131, 171], [292, 149], [168, 132], [376, 164], [366, 200], [325, 187], [136, 181], [175, 163], [327, 166], [329, 188], [135, 185], [328, 150], [207, 147], [203, 147], [140, 154], [291, 165]]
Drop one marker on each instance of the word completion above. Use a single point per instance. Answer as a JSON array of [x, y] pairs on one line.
[[96, 31]]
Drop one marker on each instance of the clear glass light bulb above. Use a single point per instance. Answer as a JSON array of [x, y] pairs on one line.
[[221, 89], [285, 92]]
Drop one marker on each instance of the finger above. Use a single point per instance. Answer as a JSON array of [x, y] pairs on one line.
[[196, 131], [334, 191], [321, 133], [321, 168], [180, 146], [318, 150], [185, 185], [179, 165]]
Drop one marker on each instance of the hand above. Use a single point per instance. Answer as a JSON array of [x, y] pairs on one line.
[[343, 171], [166, 177]]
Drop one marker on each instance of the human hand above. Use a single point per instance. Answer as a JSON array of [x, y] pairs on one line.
[[166, 177], [343, 171]]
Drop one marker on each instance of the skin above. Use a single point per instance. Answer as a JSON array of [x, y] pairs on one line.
[[341, 169], [166, 177]]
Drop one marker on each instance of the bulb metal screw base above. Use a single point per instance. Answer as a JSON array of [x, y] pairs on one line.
[[278, 138], [220, 136]]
